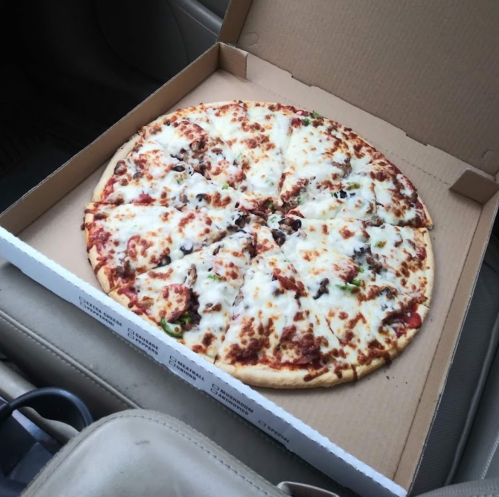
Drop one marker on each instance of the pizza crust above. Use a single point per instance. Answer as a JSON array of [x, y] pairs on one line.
[[124, 301], [101, 274], [93, 255], [430, 268], [427, 214], [263, 376], [402, 344], [121, 154]]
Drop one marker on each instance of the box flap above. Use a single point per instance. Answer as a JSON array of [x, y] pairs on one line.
[[234, 21], [475, 186], [429, 68]]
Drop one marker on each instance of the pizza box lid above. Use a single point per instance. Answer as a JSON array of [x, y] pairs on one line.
[[429, 68]]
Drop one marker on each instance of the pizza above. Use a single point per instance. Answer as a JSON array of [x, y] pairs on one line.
[[272, 241]]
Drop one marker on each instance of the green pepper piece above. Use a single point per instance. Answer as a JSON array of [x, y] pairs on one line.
[[225, 186], [353, 186], [214, 277], [345, 288], [169, 331], [184, 319], [306, 121], [356, 282], [361, 269], [348, 288], [315, 115]]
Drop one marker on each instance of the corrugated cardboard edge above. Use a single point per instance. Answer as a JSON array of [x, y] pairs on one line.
[[234, 21], [46, 194], [233, 60], [476, 185], [442, 360], [291, 432]]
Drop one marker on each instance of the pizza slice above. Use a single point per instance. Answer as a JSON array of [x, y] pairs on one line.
[[259, 136], [397, 201], [190, 136], [353, 198], [402, 256], [143, 173], [376, 194], [126, 240], [316, 161], [399, 257], [331, 172], [371, 317], [277, 336], [192, 298]]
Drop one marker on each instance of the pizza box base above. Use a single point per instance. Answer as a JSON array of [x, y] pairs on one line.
[[369, 435]]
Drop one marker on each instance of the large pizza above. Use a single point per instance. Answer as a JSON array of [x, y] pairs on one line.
[[270, 240]]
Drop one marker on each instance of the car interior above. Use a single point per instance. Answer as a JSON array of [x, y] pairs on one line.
[[83, 412]]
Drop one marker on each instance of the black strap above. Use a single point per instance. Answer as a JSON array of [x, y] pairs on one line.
[[52, 403]]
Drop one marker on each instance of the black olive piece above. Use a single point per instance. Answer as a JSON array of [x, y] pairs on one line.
[[138, 175], [187, 248], [165, 260], [360, 251], [179, 169], [241, 221], [279, 237], [296, 224], [322, 288], [201, 196]]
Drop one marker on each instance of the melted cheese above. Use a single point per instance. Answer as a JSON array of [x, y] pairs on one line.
[[331, 266], [355, 319], [259, 142], [271, 323], [219, 271], [143, 237]]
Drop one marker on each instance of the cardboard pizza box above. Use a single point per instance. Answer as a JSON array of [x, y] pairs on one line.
[[413, 78]]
